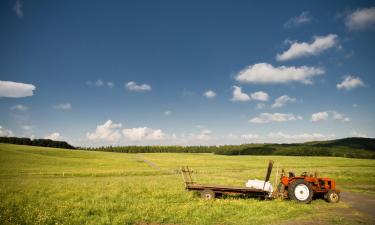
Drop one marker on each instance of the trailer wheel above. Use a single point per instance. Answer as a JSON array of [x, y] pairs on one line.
[[207, 194], [332, 196], [300, 191]]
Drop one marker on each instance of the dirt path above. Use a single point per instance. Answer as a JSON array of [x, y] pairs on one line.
[[148, 162], [360, 210], [362, 207]]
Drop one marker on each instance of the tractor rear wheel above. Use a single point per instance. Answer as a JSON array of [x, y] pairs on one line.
[[207, 194], [332, 196], [300, 191]]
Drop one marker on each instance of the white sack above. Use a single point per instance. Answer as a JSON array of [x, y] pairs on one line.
[[259, 184]]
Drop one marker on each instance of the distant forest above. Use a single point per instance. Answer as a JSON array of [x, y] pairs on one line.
[[347, 147], [36, 142]]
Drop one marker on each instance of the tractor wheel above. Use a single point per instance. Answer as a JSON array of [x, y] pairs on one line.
[[300, 191], [207, 194], [332, 196]]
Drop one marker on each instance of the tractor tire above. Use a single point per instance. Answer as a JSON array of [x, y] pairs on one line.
[[300, 191], [207, 194], [332, 196]]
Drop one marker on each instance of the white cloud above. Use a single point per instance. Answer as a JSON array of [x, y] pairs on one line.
[[274, 117], [319, 116], [63, 106], [143, 133], [55, 136], [209, 94], [260, 96], [204, 135], [167, 113], [303, 18], [359, 134], [106, 132], [286, 138], [132, 86], [97, 83], [350, 82], [20, 107], [250, 136], [298, 50], [5, 132], [266, 73], [361, 19], [239, 96], [16, 90], [100, 83], [27, 128], [322, 116], [110, 84], [261, 106], [282, 101], [18, 8], [340, 117]]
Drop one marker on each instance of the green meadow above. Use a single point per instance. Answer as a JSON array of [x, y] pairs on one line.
[[41, 185]]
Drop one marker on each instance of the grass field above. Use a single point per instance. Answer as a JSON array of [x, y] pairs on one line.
[[54, 186]]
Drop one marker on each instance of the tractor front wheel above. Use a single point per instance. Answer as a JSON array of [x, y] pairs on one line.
[[332, 196], [300, 191]]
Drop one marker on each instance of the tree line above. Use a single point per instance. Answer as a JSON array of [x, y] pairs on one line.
[[349, 147], [36, 142]]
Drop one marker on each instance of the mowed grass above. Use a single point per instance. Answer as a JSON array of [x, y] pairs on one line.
[[55, 186]]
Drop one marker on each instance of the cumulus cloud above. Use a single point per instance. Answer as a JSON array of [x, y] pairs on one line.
[[63, 106], [274, 117], [108, 131], [322, 116], [283, 137], [361, 19], [260, 96], [282, 101], [18, 8], [298, 50], [133, 86], [12, 89], [319, 116], [209, 94], [19, 107], [350, 82], [301, 19], [5, 132], [55, 136], [266, 73], [239, 96], [143, 133]]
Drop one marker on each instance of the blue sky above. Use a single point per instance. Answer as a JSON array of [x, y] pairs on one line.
[[187, 72]]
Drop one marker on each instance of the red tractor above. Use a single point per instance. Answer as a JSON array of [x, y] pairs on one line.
[[303, 188]]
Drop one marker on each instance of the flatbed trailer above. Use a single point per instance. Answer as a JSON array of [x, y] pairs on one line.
[[209, 191]]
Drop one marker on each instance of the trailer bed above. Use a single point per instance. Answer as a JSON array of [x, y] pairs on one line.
[[225, 189], [210, 190]]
